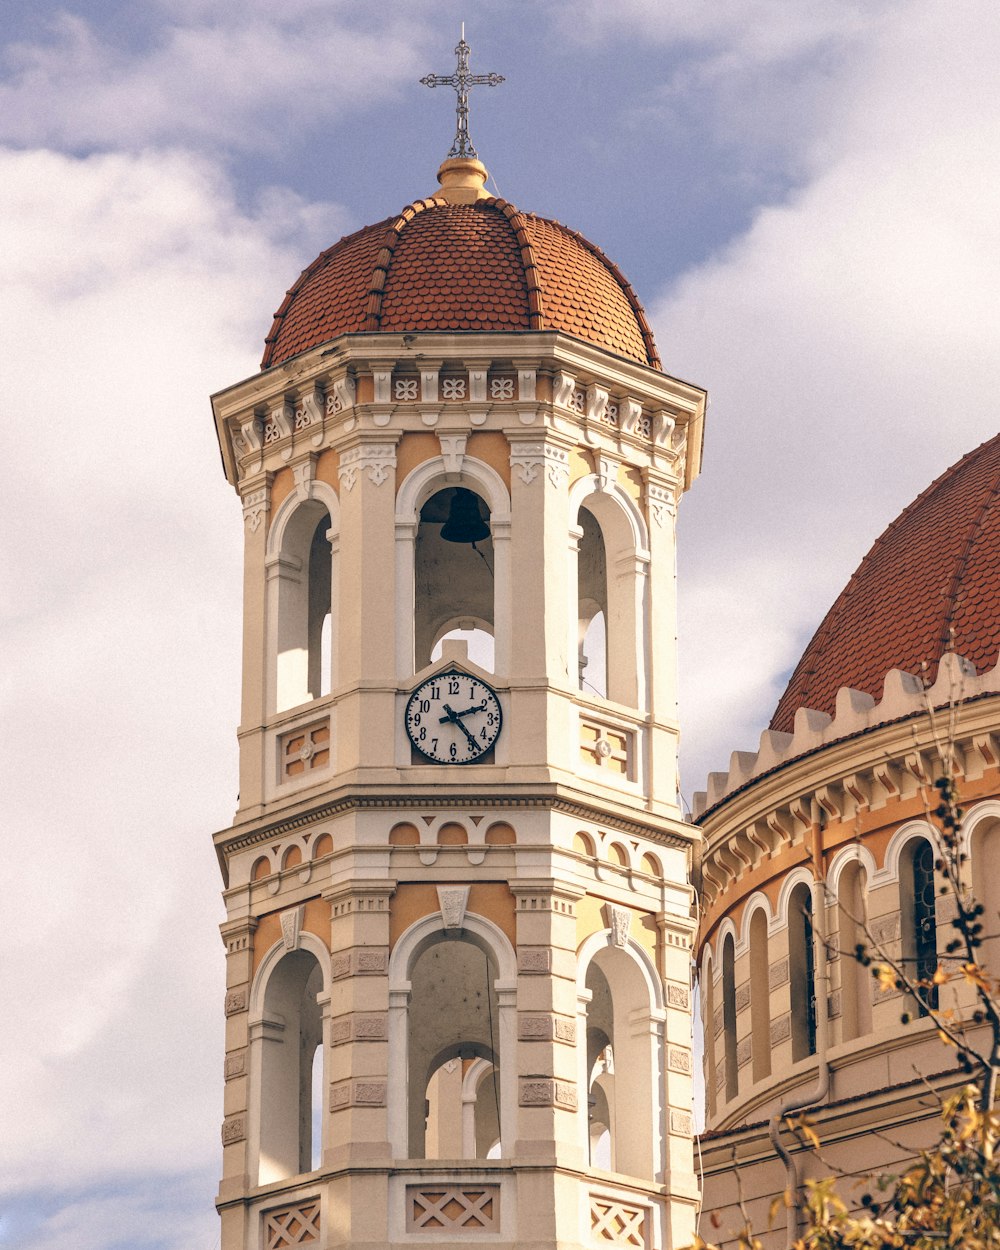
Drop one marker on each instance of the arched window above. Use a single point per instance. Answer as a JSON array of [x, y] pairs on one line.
[[729, 1015], [622, 1067], [855, 994], [592, 598], [985, 853], [802, 972], [760, 996], [454, 575], [301, 603], [453, 1021], [708, 1027], [609, 539], [290, 1035], [918, 919]]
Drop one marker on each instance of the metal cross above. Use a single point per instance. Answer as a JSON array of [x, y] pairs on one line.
[[462, 80]]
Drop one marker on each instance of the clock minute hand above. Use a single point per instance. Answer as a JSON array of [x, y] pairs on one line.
[[454, 718]]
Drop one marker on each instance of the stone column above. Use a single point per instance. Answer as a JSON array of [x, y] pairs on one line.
[[256, 495]]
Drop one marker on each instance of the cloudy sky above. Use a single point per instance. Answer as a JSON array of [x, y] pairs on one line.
[[805, 195]]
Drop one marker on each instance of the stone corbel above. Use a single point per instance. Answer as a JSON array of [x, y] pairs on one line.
[[252, 431], [429, 385], [857, 787], [986, 745], [477, 383], [829, 801], [597, 402], [778, 824], [629, 412], [453, 453], [526, 385], [345, 389], [563, 386], [801, 811], [663, 428], [887, 777], [916, 766], [283, 416], [382, 384]]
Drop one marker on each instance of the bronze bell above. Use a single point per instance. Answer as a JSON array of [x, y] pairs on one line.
[[465, 523]]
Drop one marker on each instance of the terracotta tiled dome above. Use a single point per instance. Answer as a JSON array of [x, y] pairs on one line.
[[931, 583], [483, 266]]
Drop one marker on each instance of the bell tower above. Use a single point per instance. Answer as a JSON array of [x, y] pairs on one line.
[[459, 923]]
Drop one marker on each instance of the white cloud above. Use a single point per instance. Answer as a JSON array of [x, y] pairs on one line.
[[848, 342], [133, 287], [239, 77]]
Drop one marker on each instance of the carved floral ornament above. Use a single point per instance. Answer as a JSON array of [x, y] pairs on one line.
[[374, 459], [531, 460]]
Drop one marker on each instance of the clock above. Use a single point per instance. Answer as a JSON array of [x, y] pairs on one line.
[[453, 718]]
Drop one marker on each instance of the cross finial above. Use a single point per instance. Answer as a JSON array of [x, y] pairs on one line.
[[462, 80]]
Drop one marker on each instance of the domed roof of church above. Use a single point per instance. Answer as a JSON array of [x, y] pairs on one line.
[[445, 266], [930, 584]]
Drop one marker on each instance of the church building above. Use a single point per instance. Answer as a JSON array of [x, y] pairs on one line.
[[464, 905], [460, 918]]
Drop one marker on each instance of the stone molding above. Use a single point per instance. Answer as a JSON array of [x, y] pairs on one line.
[[360, 961], [546, 1092]]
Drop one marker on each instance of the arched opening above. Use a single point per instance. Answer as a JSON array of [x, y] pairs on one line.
[[855, 995], [592, 600], [454, 575], [291, 1069], [622, 1067], [802, 972], [918, 920], [729, 1015], [985, 854], [708, 1027], [609, 540], [453, 1022], [303, 573], [760, 996]]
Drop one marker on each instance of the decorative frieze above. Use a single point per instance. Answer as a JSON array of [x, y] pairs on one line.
[[534, 960], [256, 505], [777, 973], [678, 996], [531, 460], [291, 927], [236, 1064], [377, 460], [547, 1092], [360, 961], [544, 1026], [234, 1129], [236, 1001], [743, 996], [781, 1029], [744, 1049], [358, 1093], [680, 1123], [679, 1059]]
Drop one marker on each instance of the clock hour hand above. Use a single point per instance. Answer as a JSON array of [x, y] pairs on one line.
[[454, 718], [476, 707]]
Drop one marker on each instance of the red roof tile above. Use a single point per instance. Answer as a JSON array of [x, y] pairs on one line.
[[930, 584], [474, 267]]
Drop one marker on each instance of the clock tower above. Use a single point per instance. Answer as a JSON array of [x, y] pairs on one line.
[[459, 922]]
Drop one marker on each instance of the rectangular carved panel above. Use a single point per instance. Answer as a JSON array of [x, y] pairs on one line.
[[607, 746], [296, 1225], [614, 1223], [457, 1208], [304, 750]]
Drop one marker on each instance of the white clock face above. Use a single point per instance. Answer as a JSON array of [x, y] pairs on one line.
[[453, 718]]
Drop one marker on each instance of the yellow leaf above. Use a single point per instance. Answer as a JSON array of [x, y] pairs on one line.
[[940, 977]]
